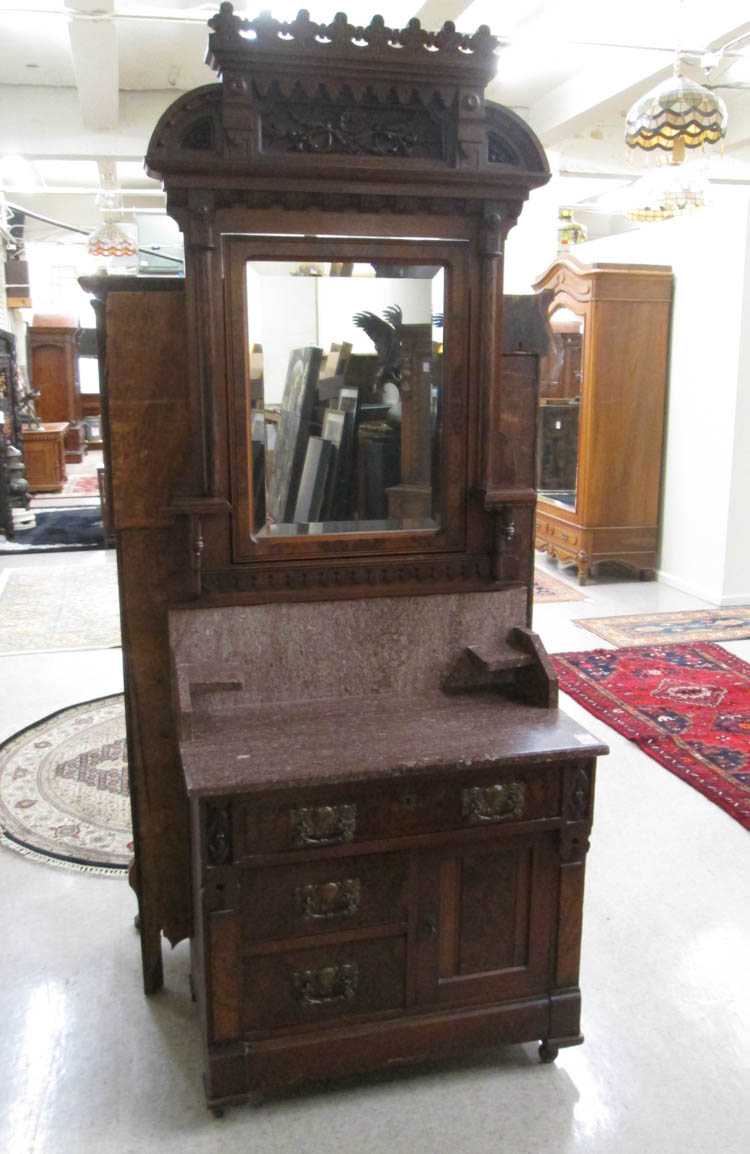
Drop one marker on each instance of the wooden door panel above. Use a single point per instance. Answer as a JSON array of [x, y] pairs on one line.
[[50, 379], [494, 907], [486, 921]]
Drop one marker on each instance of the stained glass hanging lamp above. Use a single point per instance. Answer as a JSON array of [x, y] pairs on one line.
[[678, 114]]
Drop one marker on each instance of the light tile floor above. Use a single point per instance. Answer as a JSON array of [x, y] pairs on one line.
[[90, 1066]]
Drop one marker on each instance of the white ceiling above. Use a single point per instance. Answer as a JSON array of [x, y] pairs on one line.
[[82, 82]]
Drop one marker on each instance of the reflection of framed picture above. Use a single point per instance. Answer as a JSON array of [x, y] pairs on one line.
[[293, 431], [338, 429], [314, 481]]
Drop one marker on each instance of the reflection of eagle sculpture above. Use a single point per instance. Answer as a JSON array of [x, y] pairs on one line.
[[386, 336]]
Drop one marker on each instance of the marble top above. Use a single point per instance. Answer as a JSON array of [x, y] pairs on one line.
[[325, 742]]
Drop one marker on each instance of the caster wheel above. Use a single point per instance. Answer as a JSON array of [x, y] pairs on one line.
[[137, 923], [218, 1111], [548, 1052]]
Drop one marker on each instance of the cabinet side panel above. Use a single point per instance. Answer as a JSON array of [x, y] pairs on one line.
[[148, 411], [147, 416], [624, 395]]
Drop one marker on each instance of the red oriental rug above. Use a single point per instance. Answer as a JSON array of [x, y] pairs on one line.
[[687, 706]]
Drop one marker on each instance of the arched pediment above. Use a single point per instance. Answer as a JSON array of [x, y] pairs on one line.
[[335, 103]]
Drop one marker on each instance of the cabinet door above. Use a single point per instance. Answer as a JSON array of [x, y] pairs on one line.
[[486, 921]]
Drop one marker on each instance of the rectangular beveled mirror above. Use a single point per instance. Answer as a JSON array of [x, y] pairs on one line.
[[341, 401], [345, 408]]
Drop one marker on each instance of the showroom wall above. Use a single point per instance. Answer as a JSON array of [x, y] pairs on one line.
[[705, 541]]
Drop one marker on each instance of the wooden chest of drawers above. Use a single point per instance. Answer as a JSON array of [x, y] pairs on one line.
[[349, 920], [44, 453]]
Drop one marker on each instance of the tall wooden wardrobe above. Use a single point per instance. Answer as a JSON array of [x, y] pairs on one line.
[[602, 395]]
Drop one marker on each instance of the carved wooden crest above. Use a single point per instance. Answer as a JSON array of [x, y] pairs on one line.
[[300, 97]]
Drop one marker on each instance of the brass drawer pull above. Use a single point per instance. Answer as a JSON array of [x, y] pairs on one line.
[[323, 824], [499, 802], [330, 899], [327, 985]]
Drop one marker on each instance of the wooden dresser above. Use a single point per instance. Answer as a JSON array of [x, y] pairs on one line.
[[602, 396], [398, 897], [352, 786]]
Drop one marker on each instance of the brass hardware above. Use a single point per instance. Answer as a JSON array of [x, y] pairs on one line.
[[337, 983], [330, 899], [499, 802], [323, 824]]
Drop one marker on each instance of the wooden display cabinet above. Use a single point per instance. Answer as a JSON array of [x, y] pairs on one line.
[[53, 367], [342, 731], [601, 415]]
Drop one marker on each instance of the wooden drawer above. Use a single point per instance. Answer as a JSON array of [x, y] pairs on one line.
[[551, 530], [358, 813], [313, 985], [323, 897]]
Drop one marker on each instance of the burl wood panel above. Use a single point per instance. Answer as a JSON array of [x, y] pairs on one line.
[[147, 411], [148, 431]]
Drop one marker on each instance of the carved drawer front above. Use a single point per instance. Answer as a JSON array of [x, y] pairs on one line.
[[567, 536], [303, 821], [555, 531], [312, 985], [323, 897], [361, 813]]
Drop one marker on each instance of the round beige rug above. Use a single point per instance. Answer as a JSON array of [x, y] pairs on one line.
[[64, 789]]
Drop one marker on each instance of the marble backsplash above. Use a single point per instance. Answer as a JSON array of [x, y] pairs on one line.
[[307, 651]]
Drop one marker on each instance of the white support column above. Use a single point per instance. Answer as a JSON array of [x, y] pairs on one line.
[[93, 45]]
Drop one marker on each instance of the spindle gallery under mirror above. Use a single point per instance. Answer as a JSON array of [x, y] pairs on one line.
[[352, 787], [344, 376]]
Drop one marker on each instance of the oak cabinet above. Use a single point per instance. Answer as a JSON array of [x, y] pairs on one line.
[[384, 917], [601, 414], [53, 365]]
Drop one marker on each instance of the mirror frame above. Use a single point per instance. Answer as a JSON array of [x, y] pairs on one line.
[[450, 535]]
